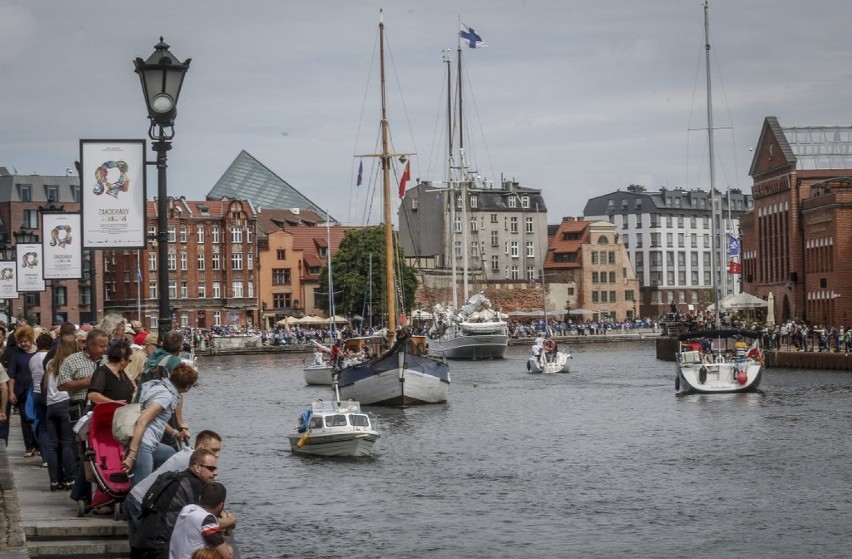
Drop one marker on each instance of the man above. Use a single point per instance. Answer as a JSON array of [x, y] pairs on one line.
[[76, 371], [177, 462], [64, 328], [164, 501], [197, 526]]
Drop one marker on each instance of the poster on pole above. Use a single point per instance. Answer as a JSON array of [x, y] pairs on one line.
[[28, 270], [112, 193], [8, 286], [63, 256]]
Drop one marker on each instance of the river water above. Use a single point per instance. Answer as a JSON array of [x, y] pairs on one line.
[[602, 462]]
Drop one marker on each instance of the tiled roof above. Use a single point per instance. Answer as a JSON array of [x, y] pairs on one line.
[[559, 245], [269, 220]]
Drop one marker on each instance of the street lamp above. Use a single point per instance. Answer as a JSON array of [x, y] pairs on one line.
[[162, 77]]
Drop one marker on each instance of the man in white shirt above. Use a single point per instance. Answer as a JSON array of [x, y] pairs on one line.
[[197, 526]]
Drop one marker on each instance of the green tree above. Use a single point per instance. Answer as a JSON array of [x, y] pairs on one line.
[[351, 267]]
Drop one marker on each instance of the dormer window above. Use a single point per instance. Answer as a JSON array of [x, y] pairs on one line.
[[474, 201], [525, 201]]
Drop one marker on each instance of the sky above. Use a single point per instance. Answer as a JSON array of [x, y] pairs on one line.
[[577, 99]]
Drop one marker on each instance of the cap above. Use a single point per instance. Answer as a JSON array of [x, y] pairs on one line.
[[128, 329]]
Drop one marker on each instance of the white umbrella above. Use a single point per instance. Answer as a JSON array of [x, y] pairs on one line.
[[581, 311], [770, 309]]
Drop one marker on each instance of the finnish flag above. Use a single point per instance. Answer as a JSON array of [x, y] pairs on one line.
[[470, 36]]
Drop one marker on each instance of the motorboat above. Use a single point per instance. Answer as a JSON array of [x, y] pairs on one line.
[[334, 429], [548, 358], [718, 361], [320, 371]]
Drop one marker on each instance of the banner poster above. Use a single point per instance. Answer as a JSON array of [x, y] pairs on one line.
[[63, 256], [29, 267], [8, 286], [112, 193]]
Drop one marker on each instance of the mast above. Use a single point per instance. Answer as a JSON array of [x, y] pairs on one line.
[[464, 177], [451, 180], [390, 290], [331, 309], [714, 257]]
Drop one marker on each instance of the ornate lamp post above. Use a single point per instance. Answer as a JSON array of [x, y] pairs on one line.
[[162, 77]]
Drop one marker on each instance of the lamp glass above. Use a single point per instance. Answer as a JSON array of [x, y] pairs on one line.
[[162, 103]]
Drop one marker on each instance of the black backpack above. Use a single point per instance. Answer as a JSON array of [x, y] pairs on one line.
[[161, 506]]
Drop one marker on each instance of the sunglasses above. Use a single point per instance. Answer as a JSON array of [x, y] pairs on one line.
[[211, 469]]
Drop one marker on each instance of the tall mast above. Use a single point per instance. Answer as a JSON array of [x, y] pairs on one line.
[[714, 258], [464, 178], [331, 310], [390, 288], [451, 179]]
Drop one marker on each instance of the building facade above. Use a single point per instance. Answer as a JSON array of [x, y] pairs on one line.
[[795, 241], [212, 262], [499, 233], [23, 201], [668, 238]]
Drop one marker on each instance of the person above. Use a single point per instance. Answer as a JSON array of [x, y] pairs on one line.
[[151, 538], [137, 362], [159, 398], [75, 373], [206, 553], [60, 433], [168, 357], [177, 462], [20, 382], [197, 525], [4, 394], [706, 347], [109, 382], [150, 345], [44, 342], [64, 328], [114, 326]]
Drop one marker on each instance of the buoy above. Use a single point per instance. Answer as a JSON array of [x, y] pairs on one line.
[[549, 345], [302, 440], [742, 377], [702, 375]]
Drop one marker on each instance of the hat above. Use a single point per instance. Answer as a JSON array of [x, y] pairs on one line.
[[140, 338], [128, 329]]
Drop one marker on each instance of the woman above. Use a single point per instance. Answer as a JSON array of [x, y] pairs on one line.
[[20, 382], [159, 399], [137, 363], [43, 342], [60, 432], [109, 382]]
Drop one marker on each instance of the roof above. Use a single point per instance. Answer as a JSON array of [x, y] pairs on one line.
[[248, 178], [559, 245], [820, 147], [269, 220]]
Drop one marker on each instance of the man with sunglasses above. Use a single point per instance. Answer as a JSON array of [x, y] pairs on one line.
[[164, 501]]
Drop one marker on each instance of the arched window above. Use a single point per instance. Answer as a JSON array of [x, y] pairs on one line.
[[602, 240]]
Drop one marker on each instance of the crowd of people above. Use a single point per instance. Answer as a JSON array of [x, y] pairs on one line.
[[54, 377]]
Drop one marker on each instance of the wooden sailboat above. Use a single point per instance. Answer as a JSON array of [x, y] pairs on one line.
[[404, 375], [716, 360]]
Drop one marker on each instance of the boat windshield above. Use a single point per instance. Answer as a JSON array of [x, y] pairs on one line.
[[359, 420]]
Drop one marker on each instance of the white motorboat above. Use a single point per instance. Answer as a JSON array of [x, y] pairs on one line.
[[718, 361], [334, 429], [548, 359], [320, 372]]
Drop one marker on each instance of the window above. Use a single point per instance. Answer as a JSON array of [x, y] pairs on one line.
[[30, 219], [565, 257], [594, 257], [172, 261], [281, 300], [75, 193], [525, 201], [415, 203], [26, 192], [236, 234], [680, 240], [184, 319], [457, 224], [595, 277], [201, 261], [628, 295], [152, 290], [493, 218], [200, 234], [515, 273], [612, 277], [214, 232], [513, 202], [51, 192], [474, 248], [655, 240], [217, 318], [172, 291], [86, 296], [626, 240], [473, 201], [250, 289], [249, 234], [183, 263], [281, 276], [238, 289], [217, 290], [457, 249], [183, 233], [669, 240], [61, 295], [513, 224], [152, 261], [237, 261], [655, 220], [530, 250], [495, 263], [611, 256], [514, 252], [474, 225], [530, 273], [184, 290], [529, 225], [595, 297], [172, 234], [602, 240], [249, 261], [638, 240], [281, 254], [202, 291], [494, 241], [612, 298], [216, 264]]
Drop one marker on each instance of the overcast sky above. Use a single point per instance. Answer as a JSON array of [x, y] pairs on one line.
[[575, 98]]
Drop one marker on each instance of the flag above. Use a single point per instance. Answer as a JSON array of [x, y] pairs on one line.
[[473, 40], [360, 173], [735, 267], [406, 174], [733, 246], [138, 275]]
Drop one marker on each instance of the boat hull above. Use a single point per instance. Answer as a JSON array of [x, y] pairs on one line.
[[396, 379], [341, 444], [558, 363], [717, 378], [318, 375], [473, 346]]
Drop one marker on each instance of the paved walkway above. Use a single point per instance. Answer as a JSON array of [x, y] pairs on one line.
[[35, 522]]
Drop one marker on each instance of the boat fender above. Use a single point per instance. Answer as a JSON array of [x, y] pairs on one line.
[[529, 367], [702, 374], [302, 440], [742, 377], [677, 383], [549, 345]]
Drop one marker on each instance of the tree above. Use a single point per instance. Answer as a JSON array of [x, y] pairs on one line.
[[351, 273]]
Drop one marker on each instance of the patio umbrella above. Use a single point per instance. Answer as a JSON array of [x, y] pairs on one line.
[[742, 301], [581, 311]]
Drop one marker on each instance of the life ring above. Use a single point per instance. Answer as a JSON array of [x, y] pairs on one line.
[[757, 355], [549, 345]]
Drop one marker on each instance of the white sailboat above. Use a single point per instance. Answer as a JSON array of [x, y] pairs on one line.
[[321, 370], [474, 330], [716, 360], [403, 375]]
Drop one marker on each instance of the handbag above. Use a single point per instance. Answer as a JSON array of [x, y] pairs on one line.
[[124, 420]]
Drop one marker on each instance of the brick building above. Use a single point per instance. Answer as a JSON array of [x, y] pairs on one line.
[[212, 267], [796, 242]]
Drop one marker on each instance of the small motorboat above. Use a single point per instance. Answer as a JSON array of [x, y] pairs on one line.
[[334, 429], [547, 358], [320, 371]]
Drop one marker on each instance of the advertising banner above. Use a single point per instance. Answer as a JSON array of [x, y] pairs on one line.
[[8, 285], [63, 256], [29, 276]]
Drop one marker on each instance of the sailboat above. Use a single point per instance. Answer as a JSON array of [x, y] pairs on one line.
[[545, 355], [404, 375], [716, 360], [321, 371], [474, 330]]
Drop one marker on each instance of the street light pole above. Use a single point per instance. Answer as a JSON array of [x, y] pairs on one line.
[[162, 76]]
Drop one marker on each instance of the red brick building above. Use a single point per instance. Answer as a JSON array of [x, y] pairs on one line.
[[795, 241]]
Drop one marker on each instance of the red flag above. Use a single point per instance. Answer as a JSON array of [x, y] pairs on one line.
[[735, 267], [406, 174]]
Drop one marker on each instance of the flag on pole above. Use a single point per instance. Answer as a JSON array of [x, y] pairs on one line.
[[406, 174], [735, 267], [138, 275], [473, 40], [733, 246], [360, 173]]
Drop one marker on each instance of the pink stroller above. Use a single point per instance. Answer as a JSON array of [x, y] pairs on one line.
[[102, 462]]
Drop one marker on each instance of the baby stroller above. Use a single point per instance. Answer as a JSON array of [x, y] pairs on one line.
[[102, 456]]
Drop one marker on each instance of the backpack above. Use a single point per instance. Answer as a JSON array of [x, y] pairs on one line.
[[157, 372], [161, 506]]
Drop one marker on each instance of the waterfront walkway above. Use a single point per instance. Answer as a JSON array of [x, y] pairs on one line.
[[35, 522]]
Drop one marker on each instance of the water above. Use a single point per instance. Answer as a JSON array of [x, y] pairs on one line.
[[602, 462]]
